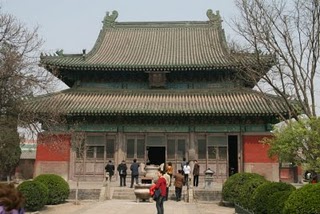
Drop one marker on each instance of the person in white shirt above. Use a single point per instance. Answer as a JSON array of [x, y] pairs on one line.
[[168, 180], [186, 171]]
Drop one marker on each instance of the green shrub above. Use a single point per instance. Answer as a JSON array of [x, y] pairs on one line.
[[240, 186], [277, 200], [58, 188], [35, 193], [304, 200], [263, 194]]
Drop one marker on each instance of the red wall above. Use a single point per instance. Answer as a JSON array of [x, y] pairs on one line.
[[254, 151], [53, 148]]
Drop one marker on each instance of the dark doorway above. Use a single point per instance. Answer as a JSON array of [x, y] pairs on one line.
[[233, 154], [156, 155]]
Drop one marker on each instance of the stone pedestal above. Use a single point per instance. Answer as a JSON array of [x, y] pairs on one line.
[[208, 183], [208, 179]]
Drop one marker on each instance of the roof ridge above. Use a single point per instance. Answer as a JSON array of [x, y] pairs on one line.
[[162, 91], [109, 21]]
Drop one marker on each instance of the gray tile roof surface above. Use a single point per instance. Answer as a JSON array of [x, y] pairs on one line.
[[157, 46], [218, 102]]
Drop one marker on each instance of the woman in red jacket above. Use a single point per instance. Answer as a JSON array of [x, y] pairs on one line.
[[162, 185]]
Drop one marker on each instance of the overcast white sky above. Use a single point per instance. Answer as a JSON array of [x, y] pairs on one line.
[[73, 25]]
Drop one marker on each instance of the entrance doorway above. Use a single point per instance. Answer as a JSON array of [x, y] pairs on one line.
[[233, 154], [156, 155]]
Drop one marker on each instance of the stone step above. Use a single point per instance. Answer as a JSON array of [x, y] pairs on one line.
[[85, 194], [128, 193], [123, 193]]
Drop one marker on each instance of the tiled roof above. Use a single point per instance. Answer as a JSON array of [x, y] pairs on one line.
[[157, 46], [214, 102]]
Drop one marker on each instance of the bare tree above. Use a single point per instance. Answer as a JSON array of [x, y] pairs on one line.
[[20, 76], [78, 144], [290, 32]]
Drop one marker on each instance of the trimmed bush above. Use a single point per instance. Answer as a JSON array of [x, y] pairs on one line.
[[277, 200], [35, 193], [58, 188], [304, 200], [240, 186], [262, 200]]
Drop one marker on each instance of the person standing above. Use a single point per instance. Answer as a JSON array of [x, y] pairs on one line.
[[162, 185], [196, 171], [122, 169], [186, 172], [178, 184], [168, 181], [183, 163], [134, 172], [110, 169], [170, 170]]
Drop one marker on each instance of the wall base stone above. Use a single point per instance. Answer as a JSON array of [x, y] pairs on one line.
[[269, 170], [52, 167]]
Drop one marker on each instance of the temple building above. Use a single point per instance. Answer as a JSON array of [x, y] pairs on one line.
[[158, 92]]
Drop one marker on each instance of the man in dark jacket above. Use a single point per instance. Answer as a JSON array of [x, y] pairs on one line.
[[110, 169], [134, 172], [196, 172], [122, 169]]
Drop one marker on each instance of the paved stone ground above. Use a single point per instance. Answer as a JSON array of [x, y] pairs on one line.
[[127, 206]]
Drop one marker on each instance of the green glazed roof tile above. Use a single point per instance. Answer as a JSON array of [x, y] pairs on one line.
[[157, 46], [233, 102]]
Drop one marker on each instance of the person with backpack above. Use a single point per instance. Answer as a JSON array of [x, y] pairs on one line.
[[110, 169], [122, 169]]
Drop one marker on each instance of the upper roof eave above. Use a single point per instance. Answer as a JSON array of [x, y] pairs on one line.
[[158, 48]]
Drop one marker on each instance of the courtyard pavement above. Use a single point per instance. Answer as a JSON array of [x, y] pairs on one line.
[[171, 207], [132, 207], [127, 206]]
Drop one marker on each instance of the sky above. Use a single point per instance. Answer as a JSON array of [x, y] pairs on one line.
[[73, 25]]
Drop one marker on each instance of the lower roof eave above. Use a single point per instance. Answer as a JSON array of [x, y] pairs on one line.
[[182, 114]]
